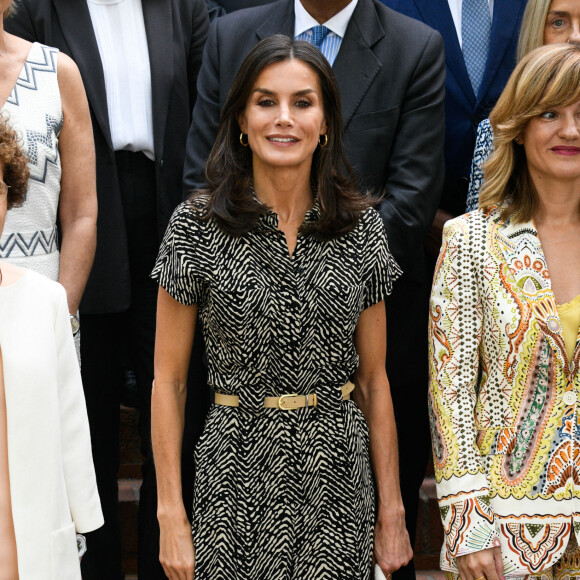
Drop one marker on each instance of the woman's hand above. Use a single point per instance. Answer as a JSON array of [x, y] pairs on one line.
[[479, 565], [176, 552], [392, 545]]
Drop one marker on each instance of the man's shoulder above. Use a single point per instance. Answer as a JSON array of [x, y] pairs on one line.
[[404, 27], [252, 15]]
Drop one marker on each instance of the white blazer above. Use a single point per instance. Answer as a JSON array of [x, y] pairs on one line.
[[52, 478]]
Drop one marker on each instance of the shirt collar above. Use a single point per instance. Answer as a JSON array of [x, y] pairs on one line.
[[337, 24], [269, 220]]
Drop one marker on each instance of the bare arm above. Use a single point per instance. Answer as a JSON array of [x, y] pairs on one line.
[[173, 342], [78, 194], [373, 396]]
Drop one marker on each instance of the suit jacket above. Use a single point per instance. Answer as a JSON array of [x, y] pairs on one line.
[[52, 479], [390, 72], [503, 397], [463, 109], [218, 8], [176, 31]]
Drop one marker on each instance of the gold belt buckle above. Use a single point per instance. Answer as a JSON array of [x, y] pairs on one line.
[[281, 401]]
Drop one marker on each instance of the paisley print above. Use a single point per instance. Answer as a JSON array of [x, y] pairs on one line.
[[503, 397]]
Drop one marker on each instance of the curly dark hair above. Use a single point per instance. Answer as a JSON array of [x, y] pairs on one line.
[[15, 164], [229, 166]]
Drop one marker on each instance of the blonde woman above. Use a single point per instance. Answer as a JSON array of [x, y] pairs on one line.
[[504, 348], [544, 22]]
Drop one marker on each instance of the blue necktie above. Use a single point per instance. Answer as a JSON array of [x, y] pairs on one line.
[[475, 33], [319, 34]]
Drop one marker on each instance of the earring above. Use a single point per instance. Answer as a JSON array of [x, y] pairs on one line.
[[242, 142], [323, 141], [519, 140]]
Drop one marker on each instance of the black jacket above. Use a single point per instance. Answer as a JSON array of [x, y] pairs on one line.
[[176, 32]]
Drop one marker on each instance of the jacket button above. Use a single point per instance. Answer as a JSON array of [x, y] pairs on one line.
[[569, 397]]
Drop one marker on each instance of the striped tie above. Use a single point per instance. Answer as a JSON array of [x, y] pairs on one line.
[[318, 35], [475, 33]]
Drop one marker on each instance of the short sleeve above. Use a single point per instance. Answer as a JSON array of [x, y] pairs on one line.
[[183, 255], [380, 270]]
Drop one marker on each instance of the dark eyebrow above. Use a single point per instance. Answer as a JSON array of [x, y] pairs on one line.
[[296, 94], [557, 13]]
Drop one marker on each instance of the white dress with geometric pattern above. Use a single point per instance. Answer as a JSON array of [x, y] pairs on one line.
[[34, 110]]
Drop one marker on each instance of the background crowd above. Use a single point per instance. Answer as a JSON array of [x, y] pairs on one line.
[[417, 81]]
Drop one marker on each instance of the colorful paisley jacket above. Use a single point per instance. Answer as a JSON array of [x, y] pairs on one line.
[[503, 398]]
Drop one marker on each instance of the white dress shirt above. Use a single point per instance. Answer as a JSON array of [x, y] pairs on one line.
[[337, 25], [120, 31], [456, 8]]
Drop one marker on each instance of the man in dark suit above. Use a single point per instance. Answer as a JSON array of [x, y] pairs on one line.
[[465, 107], [139, 140], [390, 70]]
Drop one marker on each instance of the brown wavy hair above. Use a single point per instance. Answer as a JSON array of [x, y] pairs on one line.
[[547, 77], [229, 167], [15, 164]]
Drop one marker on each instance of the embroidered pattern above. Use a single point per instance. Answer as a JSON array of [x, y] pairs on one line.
[[34, 110], [501, 423]]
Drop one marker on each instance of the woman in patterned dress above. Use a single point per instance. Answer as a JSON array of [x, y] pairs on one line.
[[505, 341], [544, 22], [288, 267], [43, 98]]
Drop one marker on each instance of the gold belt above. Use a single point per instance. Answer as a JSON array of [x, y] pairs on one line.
[[283, 402]]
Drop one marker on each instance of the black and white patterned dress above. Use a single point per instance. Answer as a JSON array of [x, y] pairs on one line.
[[280, 495]]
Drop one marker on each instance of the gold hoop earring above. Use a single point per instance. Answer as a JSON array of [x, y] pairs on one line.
[[242, 142], [323, 141]]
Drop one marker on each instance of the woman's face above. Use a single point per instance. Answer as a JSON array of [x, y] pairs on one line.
[[552, 144], [563, 22], [284, 116]]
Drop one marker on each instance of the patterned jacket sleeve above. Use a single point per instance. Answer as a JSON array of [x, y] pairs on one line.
[[483, 149], [455, 327]]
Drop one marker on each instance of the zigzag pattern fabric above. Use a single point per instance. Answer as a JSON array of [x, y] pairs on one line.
[[279, 494], [34, 110], [39, 242]]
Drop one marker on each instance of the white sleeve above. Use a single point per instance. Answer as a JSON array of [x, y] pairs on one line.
[[77, 458]]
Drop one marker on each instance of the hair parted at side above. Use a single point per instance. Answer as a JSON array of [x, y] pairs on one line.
[[15, 164], [533, 24], [545, 78], [229, 167]]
